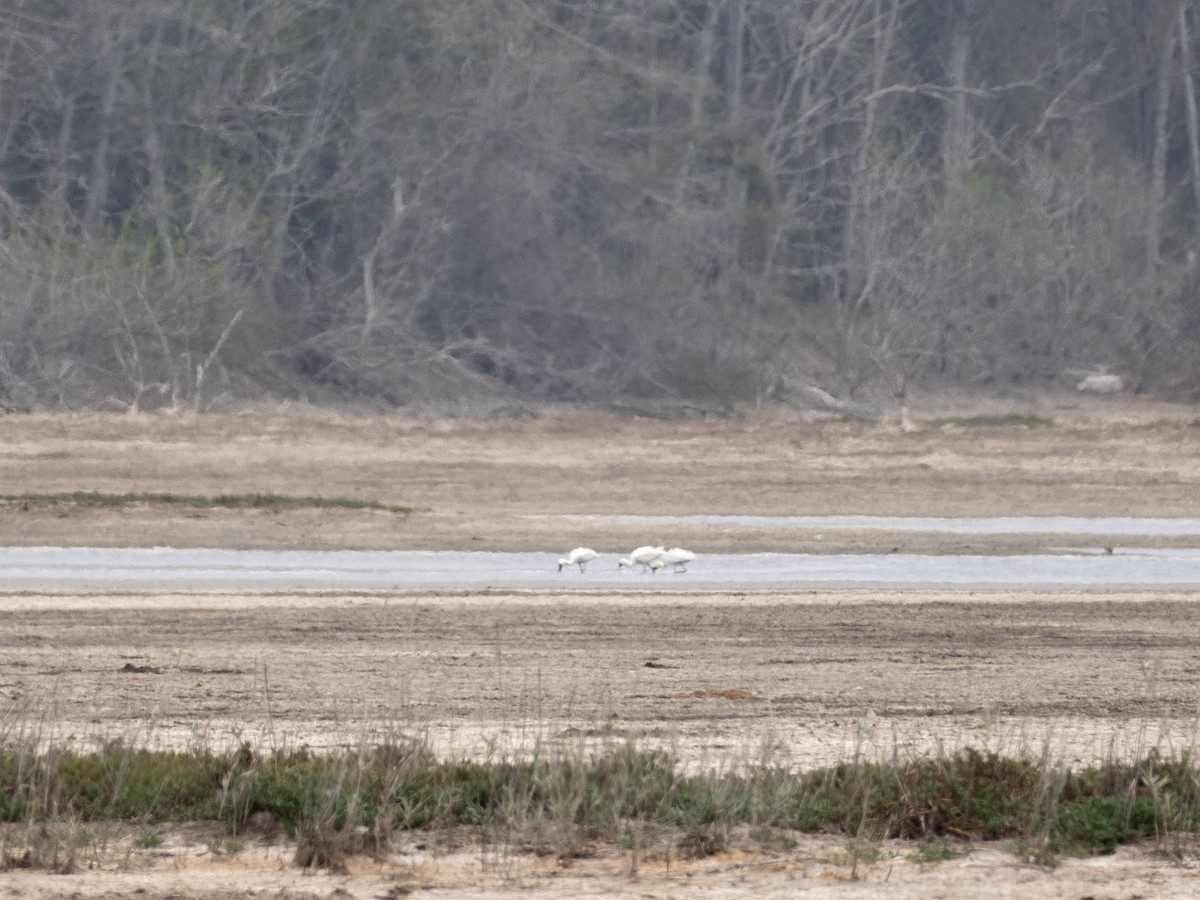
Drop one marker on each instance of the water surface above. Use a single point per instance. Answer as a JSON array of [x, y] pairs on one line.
[[1108, 526], [167, 568]]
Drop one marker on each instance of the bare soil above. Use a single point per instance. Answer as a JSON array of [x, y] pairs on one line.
[[724, 679]]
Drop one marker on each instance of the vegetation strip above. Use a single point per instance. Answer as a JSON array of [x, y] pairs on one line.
[[230, 501], [622, 795], [1016, 420]]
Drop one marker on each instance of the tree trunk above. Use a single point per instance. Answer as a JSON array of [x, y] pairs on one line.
[[97, 196], [733, 59], [1189, 89], [155, 162], [884, 32], [1158, 159], [956, 131], [8, 104], [61, 173], [701, 82]]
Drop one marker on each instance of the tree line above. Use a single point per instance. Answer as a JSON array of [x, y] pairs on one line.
[[712, 202]]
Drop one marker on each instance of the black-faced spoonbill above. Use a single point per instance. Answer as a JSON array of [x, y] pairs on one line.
[[678, 558], [580, 556], [642, 556]]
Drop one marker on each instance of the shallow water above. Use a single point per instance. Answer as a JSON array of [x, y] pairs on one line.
[[1110, 526], [164, 568]]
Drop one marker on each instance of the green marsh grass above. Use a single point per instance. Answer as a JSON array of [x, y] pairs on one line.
[[636, 800], [1004, 420], [226, 501]]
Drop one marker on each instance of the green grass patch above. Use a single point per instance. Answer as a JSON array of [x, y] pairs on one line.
[[625, 796], [935, 851], [227, 501], [148, 840]]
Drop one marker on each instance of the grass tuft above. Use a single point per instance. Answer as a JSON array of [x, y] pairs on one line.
[[935, 851], [148, 840]]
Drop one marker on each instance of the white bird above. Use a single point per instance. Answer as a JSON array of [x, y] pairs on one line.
[[642, 556], [580, 556], [678, 558], [657, 563]]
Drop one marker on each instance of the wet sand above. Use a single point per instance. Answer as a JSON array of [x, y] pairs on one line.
[[715, 677]]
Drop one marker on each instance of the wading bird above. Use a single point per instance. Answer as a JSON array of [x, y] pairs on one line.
[[642, 556], [678, 558], [580, 556]]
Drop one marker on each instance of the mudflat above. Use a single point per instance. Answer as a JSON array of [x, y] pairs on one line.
[[499, 485], [723, 679]]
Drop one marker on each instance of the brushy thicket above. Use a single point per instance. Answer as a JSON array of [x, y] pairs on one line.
[[480, 206], [967, 796]]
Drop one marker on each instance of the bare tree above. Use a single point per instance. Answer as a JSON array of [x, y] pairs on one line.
[[1158, 158], [956, 131]]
